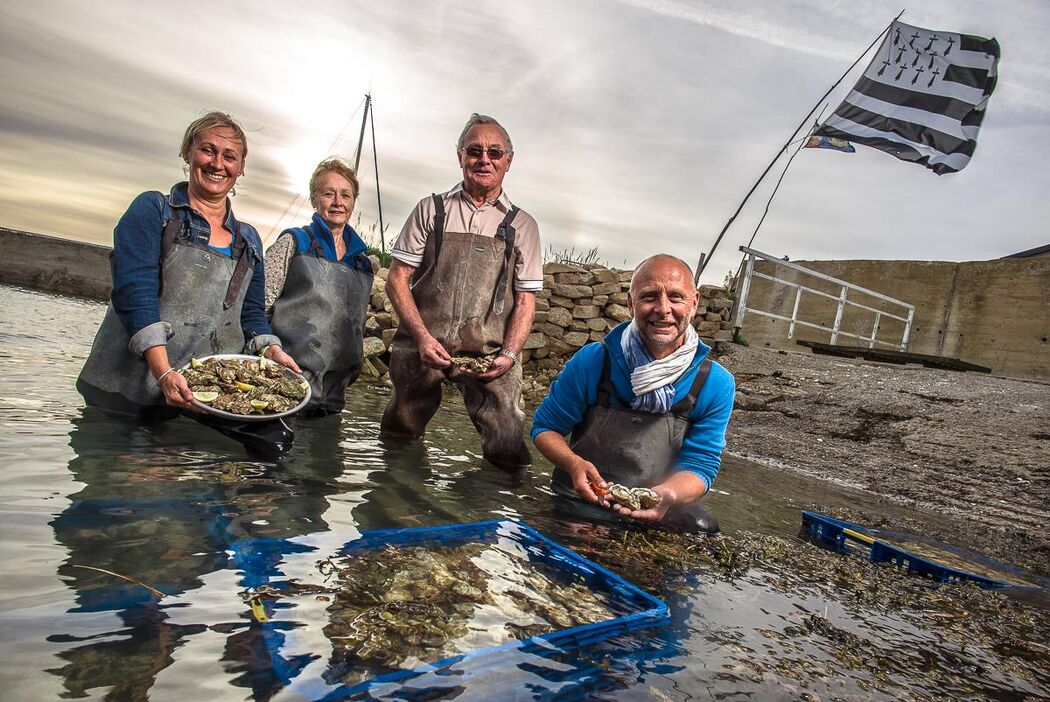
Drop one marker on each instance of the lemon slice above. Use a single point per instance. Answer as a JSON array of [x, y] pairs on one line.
[[259, 405], [206, 397], [244, 386], [194, 363]]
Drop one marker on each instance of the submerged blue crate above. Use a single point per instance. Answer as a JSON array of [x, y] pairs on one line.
[[876, 544], [631, 608]]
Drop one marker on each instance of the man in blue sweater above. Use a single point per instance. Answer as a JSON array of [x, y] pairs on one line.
[[646, 407]]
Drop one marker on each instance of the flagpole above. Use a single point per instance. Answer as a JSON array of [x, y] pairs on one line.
[[706, 258], [379, 198], [361, 136]]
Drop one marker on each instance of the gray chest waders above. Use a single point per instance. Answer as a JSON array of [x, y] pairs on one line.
[[320, 319], [464, 288], [200, 293], [631, 447]]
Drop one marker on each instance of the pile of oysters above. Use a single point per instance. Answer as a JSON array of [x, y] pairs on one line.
[[401, 606], [473, 364]]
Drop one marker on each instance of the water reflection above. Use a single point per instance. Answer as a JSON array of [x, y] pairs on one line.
[[163, 503], [155, 510]]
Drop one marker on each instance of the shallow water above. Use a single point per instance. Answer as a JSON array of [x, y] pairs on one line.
[[163, 504]]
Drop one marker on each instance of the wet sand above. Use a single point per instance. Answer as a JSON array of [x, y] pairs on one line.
[[971, 446]]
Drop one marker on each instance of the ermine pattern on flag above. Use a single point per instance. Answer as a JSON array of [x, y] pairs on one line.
[[922, 98]]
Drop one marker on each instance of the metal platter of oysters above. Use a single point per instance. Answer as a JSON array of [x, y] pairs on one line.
[[246, 388]]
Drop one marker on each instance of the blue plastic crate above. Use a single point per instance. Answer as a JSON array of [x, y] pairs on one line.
[[846, 537], [260, 560]]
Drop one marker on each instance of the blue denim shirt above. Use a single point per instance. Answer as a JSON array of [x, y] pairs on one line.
[[136, 269]]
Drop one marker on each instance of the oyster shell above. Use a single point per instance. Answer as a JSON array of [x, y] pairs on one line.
[[633, 498], [473, 364]]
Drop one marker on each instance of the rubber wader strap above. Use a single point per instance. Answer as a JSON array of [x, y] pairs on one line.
[[172, 229], [505, 232], [605, 386], [684, 407], [316, 247], [439, 226], [239, 252]]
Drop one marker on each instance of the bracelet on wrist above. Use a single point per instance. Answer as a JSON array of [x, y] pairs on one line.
[[509, 354], [161, 376]]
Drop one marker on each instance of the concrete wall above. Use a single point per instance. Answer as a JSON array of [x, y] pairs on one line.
[[993, 313], [54, 264]]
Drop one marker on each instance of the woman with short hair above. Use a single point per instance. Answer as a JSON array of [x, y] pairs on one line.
[[318, 283]]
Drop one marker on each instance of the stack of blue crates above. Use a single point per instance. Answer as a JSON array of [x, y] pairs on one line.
[[846, 536]]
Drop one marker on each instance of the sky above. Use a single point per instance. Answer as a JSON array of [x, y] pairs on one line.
[[638, 125]]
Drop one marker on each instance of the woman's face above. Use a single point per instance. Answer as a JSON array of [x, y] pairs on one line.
[[216, 161], [334, 199]]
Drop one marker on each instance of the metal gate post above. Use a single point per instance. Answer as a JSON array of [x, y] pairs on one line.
[[907, 329], [794, 314], [838, 316], [741, 304]]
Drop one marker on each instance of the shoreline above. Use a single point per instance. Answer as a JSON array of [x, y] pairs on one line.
[[970, 447]]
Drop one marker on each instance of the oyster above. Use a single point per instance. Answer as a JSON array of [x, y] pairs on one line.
[[648, 497], [235, 403], [633, 499], [276, 403], [199, 377], [625, 496], [292, 389], [473, 364]]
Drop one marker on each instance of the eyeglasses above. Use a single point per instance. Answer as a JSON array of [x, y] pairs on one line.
[[494, 152]]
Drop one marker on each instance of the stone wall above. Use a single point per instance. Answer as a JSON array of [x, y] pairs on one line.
[[578, 304], [992, 313]]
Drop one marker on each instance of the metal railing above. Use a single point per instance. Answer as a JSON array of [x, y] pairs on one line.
[[840, 299]]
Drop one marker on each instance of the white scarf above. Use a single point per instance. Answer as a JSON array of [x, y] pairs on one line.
[[652, 381]]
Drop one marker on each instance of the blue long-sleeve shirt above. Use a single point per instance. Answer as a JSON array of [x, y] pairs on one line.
[[136, 269], [576, 389]]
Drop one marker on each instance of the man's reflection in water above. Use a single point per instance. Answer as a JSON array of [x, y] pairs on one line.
[[416, 489], [161, 504]]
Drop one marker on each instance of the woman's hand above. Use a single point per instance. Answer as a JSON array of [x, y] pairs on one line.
[[176, 390], [277, 355]]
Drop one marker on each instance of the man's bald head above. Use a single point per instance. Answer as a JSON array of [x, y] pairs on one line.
[[662, 300], [662, 265]]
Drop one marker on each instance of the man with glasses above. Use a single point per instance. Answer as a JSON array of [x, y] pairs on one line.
[[466, 270]]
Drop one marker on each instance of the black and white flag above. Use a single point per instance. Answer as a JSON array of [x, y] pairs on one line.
[[922, 99]]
